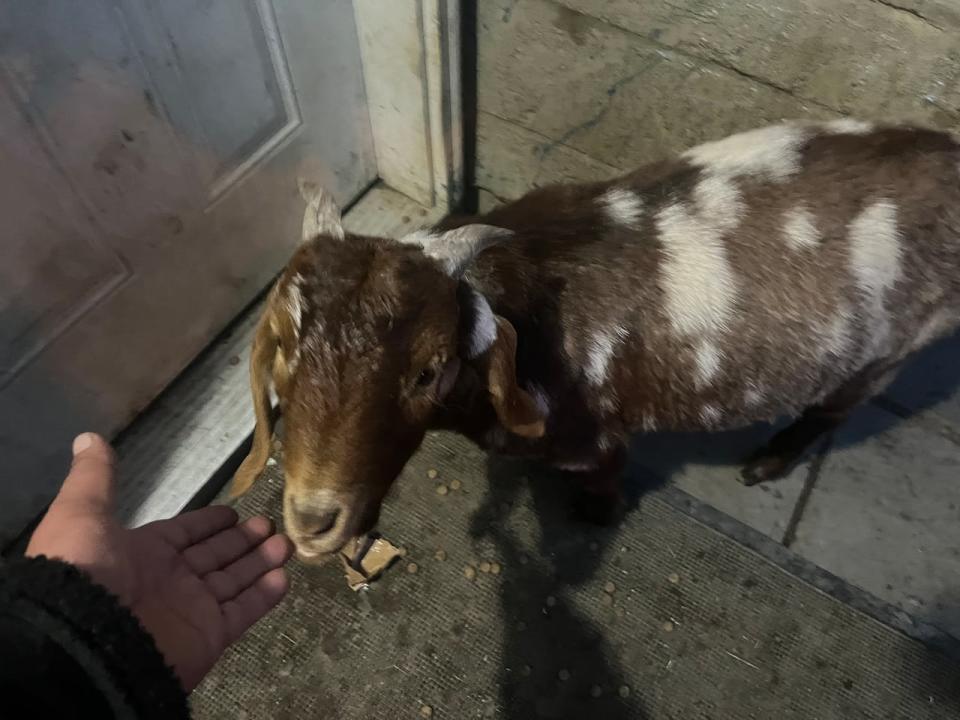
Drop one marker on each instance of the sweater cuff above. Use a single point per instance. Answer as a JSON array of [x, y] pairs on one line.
[[90, 624]]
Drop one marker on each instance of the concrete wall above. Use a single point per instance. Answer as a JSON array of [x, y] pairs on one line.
[[582, 89]]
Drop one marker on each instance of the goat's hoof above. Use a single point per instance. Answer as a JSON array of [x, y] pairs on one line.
[[762, 469], [598, 508]]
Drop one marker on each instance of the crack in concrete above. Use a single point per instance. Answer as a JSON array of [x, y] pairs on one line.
[[910, 11], [597, 118], [499, 198], [809, 483], [708, 61]]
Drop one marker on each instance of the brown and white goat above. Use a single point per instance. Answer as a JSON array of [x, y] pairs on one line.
[[784, 271]]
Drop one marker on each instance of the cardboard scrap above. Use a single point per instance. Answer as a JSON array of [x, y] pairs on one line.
[[366, 558]]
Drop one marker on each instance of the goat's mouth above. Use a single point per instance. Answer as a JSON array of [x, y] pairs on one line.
[[311, 550], [317, 538]]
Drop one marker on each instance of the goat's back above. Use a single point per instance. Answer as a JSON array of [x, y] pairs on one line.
[[746, 279]]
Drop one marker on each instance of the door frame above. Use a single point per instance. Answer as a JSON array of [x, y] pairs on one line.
[[414, 95]]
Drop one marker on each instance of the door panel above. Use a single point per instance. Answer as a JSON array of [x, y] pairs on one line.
[[148, 162]]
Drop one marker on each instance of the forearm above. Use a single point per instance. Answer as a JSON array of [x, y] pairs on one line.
[[69, 649]]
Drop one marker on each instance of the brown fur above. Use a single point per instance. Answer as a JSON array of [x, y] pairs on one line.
[[376, 313]]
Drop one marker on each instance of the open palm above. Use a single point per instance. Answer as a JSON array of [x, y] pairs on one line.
[[197, 582]]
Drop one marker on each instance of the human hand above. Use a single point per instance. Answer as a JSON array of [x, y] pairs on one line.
[[197, 582]]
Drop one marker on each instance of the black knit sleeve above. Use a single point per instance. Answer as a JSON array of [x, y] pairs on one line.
[[69, 649]]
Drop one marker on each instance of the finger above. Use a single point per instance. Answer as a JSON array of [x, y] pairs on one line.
[[219, 550], [193, 527], [232, 580], [254, 602], [89, 485]]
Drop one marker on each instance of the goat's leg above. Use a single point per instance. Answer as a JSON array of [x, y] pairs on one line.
[[785, 449], [601, 500]]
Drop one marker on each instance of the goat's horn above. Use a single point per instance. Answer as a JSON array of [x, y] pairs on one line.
[[457, 248], [322, 216]]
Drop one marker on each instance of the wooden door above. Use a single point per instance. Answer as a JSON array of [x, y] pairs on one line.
[[149, 153]]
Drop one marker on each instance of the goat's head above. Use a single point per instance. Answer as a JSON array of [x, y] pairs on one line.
[[363, 338]]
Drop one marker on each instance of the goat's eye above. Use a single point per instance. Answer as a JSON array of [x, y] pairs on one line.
[[426, 377]]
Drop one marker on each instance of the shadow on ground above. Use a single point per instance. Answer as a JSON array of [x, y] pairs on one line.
[[568, 557], [568, 561]]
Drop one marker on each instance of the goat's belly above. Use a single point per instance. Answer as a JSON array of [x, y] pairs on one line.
[[701, 387]]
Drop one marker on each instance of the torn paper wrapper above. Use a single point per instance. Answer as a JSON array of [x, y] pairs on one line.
[[364, 560]]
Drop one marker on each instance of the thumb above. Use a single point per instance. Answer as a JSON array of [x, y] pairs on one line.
[[90, 482]]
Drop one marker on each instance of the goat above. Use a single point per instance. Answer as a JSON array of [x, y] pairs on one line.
[[785, 271]]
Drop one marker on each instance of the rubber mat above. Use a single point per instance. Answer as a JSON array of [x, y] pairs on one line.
[[506, 608]]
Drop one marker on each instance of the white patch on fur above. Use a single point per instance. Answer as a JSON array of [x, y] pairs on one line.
[[836, 334], [752, 397], [294, 302], [604, 442], [601, 348], [875, 248], [709, 415], [848, 126], [717, 200], [875, 256], [772, 151], [624, 207], [484, 331], [940, 323], [708, 362], [800, 229], [648, 423], [696, 276]]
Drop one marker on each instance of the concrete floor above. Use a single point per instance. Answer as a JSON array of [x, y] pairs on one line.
[[663, 617]]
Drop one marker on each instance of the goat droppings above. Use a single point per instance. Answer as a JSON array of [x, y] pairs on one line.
[[412, 568], [432, 474], [455, 485], [469, 572], [426, 711], [442, 490], [440, 555]]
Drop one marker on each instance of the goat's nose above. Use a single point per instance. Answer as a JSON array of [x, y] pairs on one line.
[[319, 523]]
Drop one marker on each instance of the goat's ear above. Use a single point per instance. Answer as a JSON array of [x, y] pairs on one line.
[[456, 248], [272, 360], [516, 409], [322, 216]]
